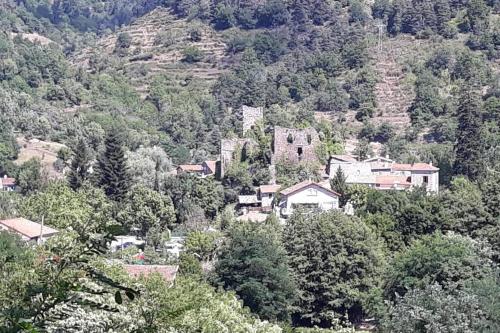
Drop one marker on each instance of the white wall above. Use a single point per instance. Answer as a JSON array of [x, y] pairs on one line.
[[311, 195], [417, 179]]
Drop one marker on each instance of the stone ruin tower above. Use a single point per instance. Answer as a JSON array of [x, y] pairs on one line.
[[295, 145], [251, 116]]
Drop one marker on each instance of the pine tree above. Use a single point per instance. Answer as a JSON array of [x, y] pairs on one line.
[[338, 184], [113, 173], [469, 148], [80, 165]]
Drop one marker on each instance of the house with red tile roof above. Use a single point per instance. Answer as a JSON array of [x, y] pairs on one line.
[[382, 173], [190, 168], [28, 230], [307, 195]]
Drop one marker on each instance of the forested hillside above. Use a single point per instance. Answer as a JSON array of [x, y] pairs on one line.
[[102, 100]]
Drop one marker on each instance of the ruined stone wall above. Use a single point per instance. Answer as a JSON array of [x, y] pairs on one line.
[[251, 116], [295, 145], [228, 147]]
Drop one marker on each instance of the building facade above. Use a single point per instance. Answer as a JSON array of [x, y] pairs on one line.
[[307, 195], [383, 173]]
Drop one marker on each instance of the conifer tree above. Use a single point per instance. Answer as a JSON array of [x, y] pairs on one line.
[[469, 148], [113, 177], [338, 184], [80, 165]]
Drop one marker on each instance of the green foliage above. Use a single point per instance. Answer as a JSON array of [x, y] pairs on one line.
[[80, 166], [202, 244], [192, 54], [113, 176], [469, 148], [148, 211], [253, 263], [192, 306], [189, 193], [30, 177], [435, 309], [338, 184], [337, 263], [64, 208], [448, 260]]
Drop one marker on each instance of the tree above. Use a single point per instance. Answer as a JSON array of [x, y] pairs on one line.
[[63, 208], [338, 184], [192, 306], [113, 176], [435, 309], [80, 165], [469, 148], [30, 177], [449, 260], [337, 261], [149, 211], [253, 263], [202, 244], [149, 166]]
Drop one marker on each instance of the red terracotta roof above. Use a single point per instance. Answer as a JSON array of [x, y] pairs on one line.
[[191, 167], [7, 181], [27, 228], [303, 185], [414, 167], [269, 188], [169, 272], [211, 165]]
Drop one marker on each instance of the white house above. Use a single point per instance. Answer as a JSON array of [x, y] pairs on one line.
[[307, 195], [267, 193], [383, 173], [7, 184]]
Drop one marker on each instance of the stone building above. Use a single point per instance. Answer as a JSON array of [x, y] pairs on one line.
[[227, 150], [251, 116], [295, 145], [383, 173]]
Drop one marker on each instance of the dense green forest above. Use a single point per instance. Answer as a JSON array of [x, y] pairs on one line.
[[127, 90]]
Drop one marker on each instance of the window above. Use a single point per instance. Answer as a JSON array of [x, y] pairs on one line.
[[426, 179], [309, 138], [312, 192], [300, 152]]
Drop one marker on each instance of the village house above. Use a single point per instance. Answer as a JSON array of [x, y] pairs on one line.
[[267, 194], [29, 231], [7, 184], [209, 168], [205, 169], [196, 169], [307, 195], [382, 173]]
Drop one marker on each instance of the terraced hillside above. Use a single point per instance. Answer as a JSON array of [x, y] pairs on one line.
[[158, 40], [393, 94]]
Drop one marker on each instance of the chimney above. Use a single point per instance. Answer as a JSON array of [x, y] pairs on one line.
[[387, 156], [430, 163]]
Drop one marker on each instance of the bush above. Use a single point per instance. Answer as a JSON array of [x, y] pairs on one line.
[[192, 54]]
